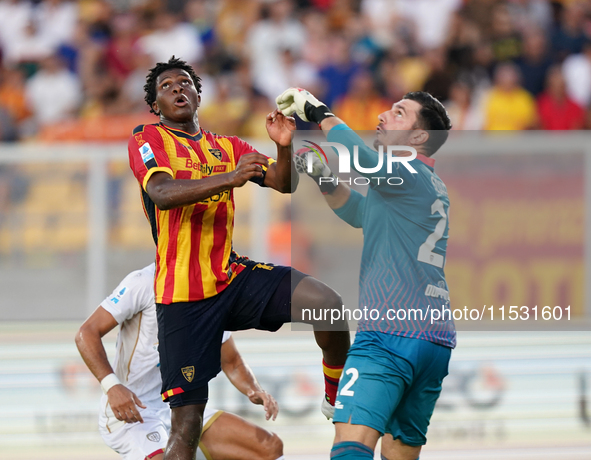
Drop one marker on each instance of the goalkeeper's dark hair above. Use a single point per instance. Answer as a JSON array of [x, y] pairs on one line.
[[173, 63], [432, 117]]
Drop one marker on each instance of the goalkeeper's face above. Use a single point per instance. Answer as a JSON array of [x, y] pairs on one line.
[[395, 125]]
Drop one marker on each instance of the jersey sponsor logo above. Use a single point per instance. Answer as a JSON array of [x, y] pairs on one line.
[[146, 152], [205, 169], [117, 297], [438, 292], [217, 153], [188, 373], [154, 436], [439, 186], [224, 196]]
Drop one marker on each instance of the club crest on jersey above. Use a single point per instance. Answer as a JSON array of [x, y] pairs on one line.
[[146, 152], [217, 153], [154, 436], [188, 373]]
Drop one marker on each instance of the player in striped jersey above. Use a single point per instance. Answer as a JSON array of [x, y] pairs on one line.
[[133, 420], [202, 287], [397, 363]]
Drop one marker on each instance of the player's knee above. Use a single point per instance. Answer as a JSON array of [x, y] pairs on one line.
[[273, 447], [349, 450]]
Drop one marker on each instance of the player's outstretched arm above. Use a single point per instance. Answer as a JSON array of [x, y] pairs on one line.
[[123, 402], [242, 377], [281, 175], [169, 193]]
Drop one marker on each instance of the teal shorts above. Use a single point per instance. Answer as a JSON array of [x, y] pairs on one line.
[[391, 384]]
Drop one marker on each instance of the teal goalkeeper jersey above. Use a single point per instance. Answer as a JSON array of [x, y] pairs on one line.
[[405, 231]]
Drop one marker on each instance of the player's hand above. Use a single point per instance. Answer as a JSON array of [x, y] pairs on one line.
[[124, 404], [249, 166], [319, 166], [267, 401], [303, 104], [280, 127]]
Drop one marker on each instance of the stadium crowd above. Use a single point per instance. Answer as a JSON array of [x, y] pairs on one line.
[[76, 69]]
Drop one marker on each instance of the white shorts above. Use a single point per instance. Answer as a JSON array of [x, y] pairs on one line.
[[138, 441]]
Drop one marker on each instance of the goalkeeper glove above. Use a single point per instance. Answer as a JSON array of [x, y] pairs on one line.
[[306, 106], [321, 172]]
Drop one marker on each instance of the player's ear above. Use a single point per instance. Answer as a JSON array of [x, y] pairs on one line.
[[419, 137], [155, 108], [198, 100]]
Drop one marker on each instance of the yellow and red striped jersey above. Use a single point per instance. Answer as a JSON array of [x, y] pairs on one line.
[[194, 255]]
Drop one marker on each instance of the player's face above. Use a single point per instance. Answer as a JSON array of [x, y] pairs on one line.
[[396, 125], [176, 96]]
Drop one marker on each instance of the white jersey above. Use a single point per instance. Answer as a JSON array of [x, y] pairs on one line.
[[136, 362]]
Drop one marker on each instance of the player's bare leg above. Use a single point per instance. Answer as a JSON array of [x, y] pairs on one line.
[[397, 450], [333, 338], [185, 431], [233, 438]]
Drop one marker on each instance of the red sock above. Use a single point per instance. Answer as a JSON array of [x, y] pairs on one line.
[[332, 374]]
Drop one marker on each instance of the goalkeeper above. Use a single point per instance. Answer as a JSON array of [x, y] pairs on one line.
[[394, 370]]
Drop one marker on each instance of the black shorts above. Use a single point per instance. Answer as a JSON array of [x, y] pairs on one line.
[[190, 333]]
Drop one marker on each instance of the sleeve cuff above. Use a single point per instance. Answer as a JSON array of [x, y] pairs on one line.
[[152, 171]]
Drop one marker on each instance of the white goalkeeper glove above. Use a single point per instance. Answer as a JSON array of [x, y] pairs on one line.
[[321, 172], [303, 104]]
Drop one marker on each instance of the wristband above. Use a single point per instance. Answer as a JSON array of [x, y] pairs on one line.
[[328, 187], [317, 114], [109, 382]]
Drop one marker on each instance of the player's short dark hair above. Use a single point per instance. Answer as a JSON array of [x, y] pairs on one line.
[[173, 63], [432, 117]]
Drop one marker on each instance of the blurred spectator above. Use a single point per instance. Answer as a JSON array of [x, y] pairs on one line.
[[463, 111], [361, 105], [254, 124], [555, 108], [56, 20], [234, 20], [132, 90], [172, 37], [15, 16], [226, 113], [508, 106], [316, 46], [339, 71], [534, 62], [121, 48], [382, 19], [577, 73], [506, 41], [54, 93], [568, 37], [440, 75], [12, 94], [200, 14], [531, 14], [431, 18], [267, 41]]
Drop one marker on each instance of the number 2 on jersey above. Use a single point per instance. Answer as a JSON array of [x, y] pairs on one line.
[[354, 376], [426, 253]]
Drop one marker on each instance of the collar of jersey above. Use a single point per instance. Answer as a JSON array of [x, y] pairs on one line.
[[427, 160], [179, 133]]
